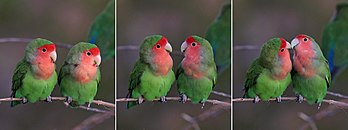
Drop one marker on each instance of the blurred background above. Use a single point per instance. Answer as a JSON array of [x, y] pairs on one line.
[[175, 20], [59, 21], [255, 22]]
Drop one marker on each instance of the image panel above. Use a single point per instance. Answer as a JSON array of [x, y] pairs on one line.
[[289, 68], [57, 64], [173, 64]]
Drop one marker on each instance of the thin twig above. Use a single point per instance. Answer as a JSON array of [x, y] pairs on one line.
[[94, 120], [337, 94], [211, 112], [329, 101], [246, 47], [221, 94], [98, 102], [27, 40], [309, 120], [176, 99], [329, 111]]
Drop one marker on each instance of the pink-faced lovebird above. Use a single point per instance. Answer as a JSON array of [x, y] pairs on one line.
[[35, 76], [269, 75]]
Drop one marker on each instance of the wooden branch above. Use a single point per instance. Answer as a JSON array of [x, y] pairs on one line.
[[336, 94], [27, 40], [98, 102], [94, 120], [176, 99], [329, 101], [221, 94]]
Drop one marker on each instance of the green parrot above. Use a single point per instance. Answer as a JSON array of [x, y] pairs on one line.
[[335, 39], [196, 74], [79, 77], [152, 76], [311, 76], [269, 75], [102, 31], [219, 35], [35, 76]]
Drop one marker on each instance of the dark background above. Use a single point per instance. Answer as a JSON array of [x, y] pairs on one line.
[[59, 21], [175, 20], [254, 23]]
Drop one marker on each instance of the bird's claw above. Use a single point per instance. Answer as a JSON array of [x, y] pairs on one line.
[[299, 98], [49, 99], [68, 100], [203, 103], [24, 100], [183, 98], [140, 100], [279, 99], [163, 99], [256, 99]]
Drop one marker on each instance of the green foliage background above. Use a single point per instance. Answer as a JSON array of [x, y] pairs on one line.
[[59, 21]]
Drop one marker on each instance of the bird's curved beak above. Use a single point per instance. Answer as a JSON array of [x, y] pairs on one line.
[[53, 56], [183, 46], [97, 60], [288, 46], [294, 43], [168, 47]]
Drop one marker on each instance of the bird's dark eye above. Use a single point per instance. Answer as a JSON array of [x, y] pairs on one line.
[[88, 53], [44, 50], [194, 44], [305, 39], [158, 46], [282, 50]]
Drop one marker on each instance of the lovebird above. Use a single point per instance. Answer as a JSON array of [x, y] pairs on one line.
[[269, 75], [102, 31], [35, 76], [335, 39], [311, 74], [196, 74], [152, 75], [219, 36], [79, 77]]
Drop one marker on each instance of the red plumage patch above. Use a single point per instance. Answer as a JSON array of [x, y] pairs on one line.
[[95, 51]]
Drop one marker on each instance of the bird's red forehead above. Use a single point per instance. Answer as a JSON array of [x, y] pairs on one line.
[[162, 41], [49, 47], [190, 39], [95, 51], [301, 36], [283, 41]]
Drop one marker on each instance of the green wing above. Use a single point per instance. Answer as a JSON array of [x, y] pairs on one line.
[[19, 74], [63, 72], [21, 70], [253, 73], [98, 78], [136, 74]]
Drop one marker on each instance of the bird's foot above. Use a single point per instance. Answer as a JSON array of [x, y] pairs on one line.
[[68, 100], [203, 103], [140, 100], [49, 99], [256, 99], [279, 99], [24, 100], [163, 99], [183, 98], [299, 98]]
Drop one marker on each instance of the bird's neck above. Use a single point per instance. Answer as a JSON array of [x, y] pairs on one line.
[[161, 64], [43, 67]]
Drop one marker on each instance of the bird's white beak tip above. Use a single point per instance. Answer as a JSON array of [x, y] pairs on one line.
[[53, 55], [168, 47], [183, 46]]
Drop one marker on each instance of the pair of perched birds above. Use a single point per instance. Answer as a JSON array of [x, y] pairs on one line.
[[152, 76], [35, 76], [271, 73]]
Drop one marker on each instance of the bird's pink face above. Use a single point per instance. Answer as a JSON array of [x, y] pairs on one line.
[[162, 46], [190, 46], [91, 56], [283, 50], [47, 53], [302, 42]]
